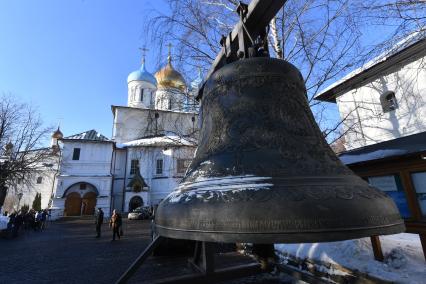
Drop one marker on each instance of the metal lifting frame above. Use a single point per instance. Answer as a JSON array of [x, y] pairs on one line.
[[248, 35], [253, 24]]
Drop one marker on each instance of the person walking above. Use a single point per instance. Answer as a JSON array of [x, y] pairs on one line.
[[99, 221], [115, 223]]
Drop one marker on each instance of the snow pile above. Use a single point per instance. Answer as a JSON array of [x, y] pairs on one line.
[[3, 222], [404, 260]]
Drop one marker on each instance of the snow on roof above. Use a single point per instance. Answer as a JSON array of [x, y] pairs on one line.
[[411, 144], [88, 135], [404, 261], [404, 44], [160, 141]]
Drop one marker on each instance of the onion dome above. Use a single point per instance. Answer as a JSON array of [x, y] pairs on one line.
[[57, 134], [142, 75], [168, 77]]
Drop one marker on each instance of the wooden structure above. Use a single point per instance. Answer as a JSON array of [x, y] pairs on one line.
[[397, 167]]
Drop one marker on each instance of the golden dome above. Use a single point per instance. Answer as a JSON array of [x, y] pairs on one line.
[[57, 134], [168, 77]]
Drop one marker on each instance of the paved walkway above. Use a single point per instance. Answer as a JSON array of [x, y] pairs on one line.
[[68, 252]]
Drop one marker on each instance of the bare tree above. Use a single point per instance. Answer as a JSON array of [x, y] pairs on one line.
[[22, 136], [324, 38]]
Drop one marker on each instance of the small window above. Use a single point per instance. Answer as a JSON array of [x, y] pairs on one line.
[[182, 165], [39, 180], [83, 186], [388, 101], [134, 166], [19, 181], [76, 154], [141, 94], [159, 168], [170, 105]]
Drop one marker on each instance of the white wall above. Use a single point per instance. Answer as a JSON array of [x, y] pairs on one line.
[[159, 185], [133, 123], [366, 122], [170, 99], [95, 158], [134, 94], [30, 187]]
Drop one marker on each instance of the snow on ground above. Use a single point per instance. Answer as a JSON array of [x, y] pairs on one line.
[[404, 260], [3, 222]]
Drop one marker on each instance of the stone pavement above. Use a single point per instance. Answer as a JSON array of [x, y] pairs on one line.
[[68, 252]]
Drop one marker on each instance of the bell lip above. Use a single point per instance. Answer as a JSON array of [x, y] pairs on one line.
[[281, 237]]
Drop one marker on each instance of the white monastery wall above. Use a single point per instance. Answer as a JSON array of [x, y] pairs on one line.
[[132, 124], [366, 123], [160, 185], [170, 99], [141, 94], [95, 158]]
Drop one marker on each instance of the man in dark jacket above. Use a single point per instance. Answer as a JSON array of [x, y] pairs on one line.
[[99, 221]]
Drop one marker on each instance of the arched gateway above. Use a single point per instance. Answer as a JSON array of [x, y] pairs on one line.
[[80, 199], [135, 202]]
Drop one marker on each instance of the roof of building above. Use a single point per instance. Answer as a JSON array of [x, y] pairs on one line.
[[142, 75], [404, 146], [169, 139], [137, 180], [414, 44], [91, 135]]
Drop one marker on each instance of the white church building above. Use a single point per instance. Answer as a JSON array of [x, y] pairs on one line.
[[152, 144]]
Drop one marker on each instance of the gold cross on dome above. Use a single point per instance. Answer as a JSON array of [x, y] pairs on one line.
[[169, 57], [144, 51]]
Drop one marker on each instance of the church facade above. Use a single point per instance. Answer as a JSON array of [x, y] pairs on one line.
[[153, 141]]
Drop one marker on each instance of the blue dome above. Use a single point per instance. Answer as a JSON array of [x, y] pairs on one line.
[[142, 75]]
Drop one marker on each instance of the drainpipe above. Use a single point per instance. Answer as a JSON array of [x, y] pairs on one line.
[[112, 165], [124, 181], [55, 174]]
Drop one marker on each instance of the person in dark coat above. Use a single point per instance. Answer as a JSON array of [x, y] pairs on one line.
[[99, 221], [115, 223]]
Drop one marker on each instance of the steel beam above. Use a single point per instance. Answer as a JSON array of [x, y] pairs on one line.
[[259, 15]]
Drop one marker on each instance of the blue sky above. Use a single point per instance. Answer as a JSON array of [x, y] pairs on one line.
[[71, 58]]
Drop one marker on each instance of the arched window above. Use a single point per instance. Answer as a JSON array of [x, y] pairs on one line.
[[388, 101]]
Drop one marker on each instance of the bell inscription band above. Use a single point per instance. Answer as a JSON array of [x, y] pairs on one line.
[[263, 172]]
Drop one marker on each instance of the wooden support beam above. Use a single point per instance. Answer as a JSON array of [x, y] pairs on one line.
[[377, 248]]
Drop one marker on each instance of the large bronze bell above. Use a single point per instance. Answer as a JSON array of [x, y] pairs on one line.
[[263, 172]]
